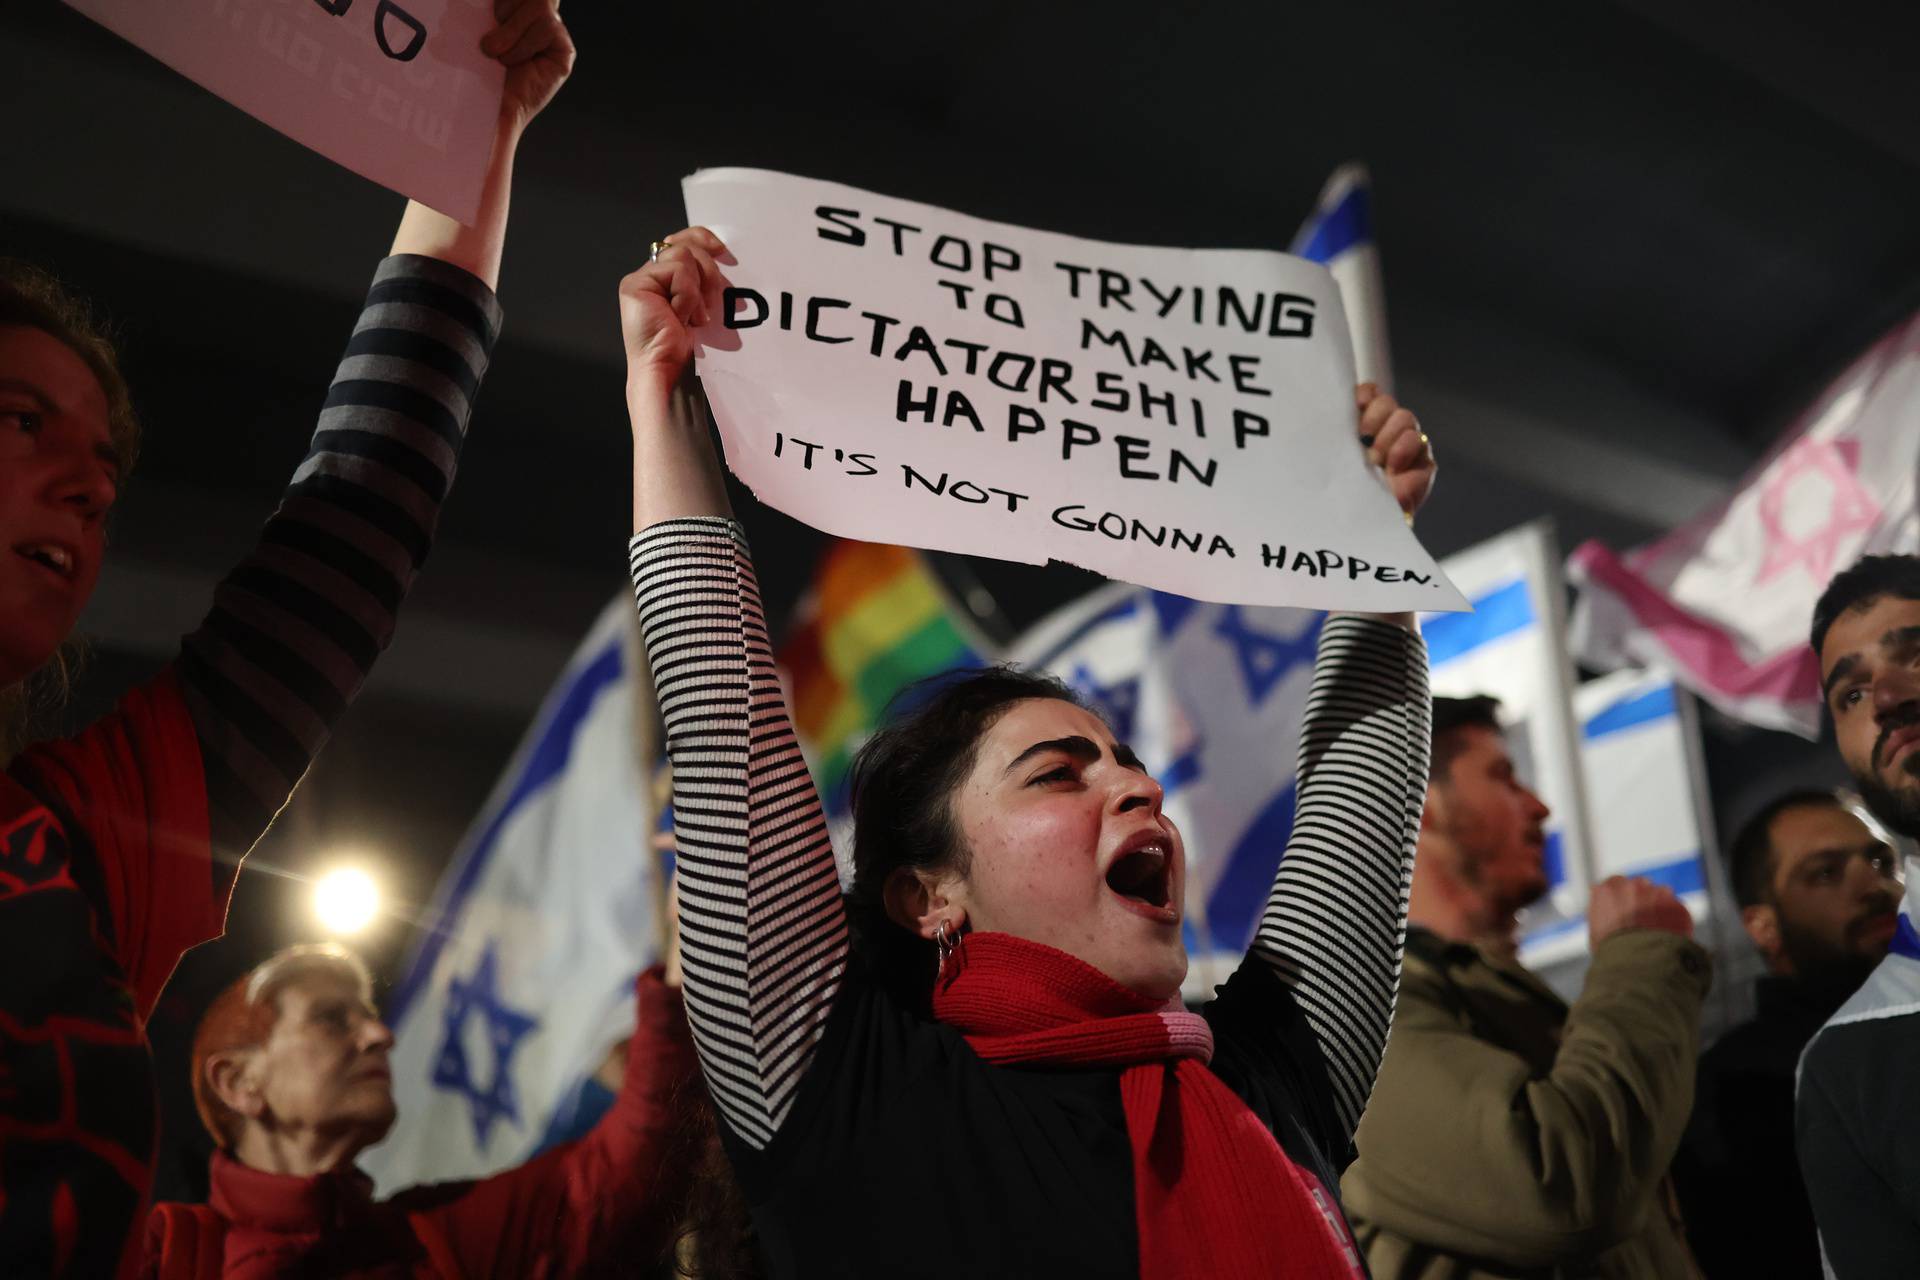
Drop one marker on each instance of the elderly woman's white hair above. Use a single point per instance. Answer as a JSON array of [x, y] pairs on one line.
[[242, 1017]]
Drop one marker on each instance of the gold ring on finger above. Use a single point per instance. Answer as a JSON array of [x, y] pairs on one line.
[[653, 250]]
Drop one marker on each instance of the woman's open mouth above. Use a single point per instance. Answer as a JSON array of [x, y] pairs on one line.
[[1143, 878]]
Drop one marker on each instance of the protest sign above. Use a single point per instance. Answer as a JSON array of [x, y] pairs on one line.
[[396, 90], [1182, 419]]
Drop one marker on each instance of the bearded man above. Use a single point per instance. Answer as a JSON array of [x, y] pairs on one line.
[[1857, 1128], [1510, 1133], [1818, 891]]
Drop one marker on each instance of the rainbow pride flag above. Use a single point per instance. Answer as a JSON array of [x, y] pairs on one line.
[[875, 620]]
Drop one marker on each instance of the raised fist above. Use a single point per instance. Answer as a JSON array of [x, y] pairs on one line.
[[1628, 902], [663, 302], [537, 50]]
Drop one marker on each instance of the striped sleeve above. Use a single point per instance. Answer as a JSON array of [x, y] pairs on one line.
[[1336, 920], [763, 932], [296, 628]]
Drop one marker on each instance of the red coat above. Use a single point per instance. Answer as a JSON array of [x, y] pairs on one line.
[[608, 1201], [107, 875]]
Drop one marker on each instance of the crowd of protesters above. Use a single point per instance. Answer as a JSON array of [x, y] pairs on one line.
[[976, 1060]]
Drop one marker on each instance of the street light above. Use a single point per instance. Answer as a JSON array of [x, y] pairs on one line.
[[346, 899]]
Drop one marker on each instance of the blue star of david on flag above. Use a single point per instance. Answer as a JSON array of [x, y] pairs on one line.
[[1116, 703], [1264, 659], [479, 996]]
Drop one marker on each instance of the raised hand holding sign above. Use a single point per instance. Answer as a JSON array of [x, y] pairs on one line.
[[535, 47], [399, 91], [1395, 443]]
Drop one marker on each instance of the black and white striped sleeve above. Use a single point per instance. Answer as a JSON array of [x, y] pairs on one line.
[[1336, 920], [296, 628], [763, 933]]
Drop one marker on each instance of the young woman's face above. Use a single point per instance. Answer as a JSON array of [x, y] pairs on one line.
[[1069, 847], [58, 477]]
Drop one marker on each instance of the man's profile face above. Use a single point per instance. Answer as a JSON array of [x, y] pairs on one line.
[[324, 1066], [1870, 676], [1494, 820], [1834, 893]]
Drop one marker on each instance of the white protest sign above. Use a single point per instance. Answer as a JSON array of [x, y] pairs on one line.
[[396, 90], [1182, 419]]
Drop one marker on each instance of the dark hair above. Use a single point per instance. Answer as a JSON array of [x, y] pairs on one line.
[[1750, 858], [35, 299], [716, 1239], [902, 782], [1857, 587], [1481, 711]]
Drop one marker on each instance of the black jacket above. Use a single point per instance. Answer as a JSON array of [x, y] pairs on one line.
[[1857, 1121], [1746, 1208]]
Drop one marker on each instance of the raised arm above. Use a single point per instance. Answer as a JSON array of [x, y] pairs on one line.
[[763, 934], [1470, 1149], [1336, 919], [296, 628], [610, 1198], [538, 53]]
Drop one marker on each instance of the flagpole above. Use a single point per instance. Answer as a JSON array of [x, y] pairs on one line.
[[1339, 234], [956, 576]]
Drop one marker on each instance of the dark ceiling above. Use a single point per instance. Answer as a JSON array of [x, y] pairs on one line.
[[1623, 242]]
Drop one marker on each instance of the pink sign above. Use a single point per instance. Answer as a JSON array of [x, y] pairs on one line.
[[396, 90]]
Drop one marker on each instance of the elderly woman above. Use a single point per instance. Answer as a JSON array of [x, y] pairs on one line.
[[979, 1062], [118, 846]]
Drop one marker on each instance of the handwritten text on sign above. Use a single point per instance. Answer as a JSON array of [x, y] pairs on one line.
[[1178, 418], [396, 90]]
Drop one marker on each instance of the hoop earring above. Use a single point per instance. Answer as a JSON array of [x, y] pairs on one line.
[[946, 941]]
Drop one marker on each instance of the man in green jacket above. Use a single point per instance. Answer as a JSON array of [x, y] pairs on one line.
[[1509, 1134]]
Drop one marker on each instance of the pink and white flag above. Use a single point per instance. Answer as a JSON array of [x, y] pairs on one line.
[[1724, 601]]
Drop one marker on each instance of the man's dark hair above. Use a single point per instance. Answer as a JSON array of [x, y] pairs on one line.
[[1869, 578], [1481, 711], [1750, 858]]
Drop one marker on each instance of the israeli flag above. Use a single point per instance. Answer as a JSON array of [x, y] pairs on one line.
[[1639, 747], [1210, 698], [523, 978], [1623, 747], [1640, 753], [1513, 646], [1339, 234]]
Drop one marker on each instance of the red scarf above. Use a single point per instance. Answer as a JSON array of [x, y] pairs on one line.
[[1214, 1195]]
